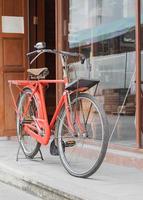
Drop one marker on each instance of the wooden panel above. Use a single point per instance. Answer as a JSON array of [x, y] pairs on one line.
[[61, 40], [12, 8], [13, 62], [32, 27], [10, 119], [1, 91], [11, 35], [37, 31], [1, 53], [13, 52], [1, 106], [0, 14], [41, 29], [41, 20]]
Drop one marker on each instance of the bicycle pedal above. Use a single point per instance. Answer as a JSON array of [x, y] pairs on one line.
[[70, 143]]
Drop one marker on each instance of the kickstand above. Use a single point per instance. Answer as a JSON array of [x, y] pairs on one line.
[[17, 155], [18, 151], [41, 154]]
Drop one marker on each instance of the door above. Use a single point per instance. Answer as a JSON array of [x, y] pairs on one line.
[[61, 21], [36, 28], [50, 59], [13, 45], [42, 28]]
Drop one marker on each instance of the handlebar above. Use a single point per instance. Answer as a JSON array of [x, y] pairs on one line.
[[54, 51]]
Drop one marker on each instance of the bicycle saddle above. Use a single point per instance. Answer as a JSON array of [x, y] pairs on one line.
[[39, 73]]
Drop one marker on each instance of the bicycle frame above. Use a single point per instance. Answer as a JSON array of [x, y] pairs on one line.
[[37, 88], [77, 115]]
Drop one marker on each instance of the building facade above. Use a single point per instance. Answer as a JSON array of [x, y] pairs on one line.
[[105, 30]]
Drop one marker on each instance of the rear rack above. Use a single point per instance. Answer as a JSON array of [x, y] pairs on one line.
[[84, 84]]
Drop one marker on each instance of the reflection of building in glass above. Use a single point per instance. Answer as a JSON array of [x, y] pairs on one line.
[[107, 30], [97, 23]]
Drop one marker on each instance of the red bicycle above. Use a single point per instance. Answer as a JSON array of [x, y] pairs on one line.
[[79, 123]]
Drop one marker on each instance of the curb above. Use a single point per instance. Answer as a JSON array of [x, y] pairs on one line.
[[35, 188]]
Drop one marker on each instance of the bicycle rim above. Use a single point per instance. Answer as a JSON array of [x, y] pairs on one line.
[[85, 148], [29, 145]]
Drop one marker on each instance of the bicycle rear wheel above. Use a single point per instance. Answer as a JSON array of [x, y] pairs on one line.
[[83, 150], [28, 144]]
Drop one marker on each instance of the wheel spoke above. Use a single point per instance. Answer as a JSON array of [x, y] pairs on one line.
[[29, 145], [85, 157]]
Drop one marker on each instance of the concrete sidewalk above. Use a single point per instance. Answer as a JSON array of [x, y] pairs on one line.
[[48, 180]]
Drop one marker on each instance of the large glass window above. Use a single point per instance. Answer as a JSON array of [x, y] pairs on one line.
[[105, 29]]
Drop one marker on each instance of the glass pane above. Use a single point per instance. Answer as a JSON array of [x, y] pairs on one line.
[[96, 20], [104, 30]]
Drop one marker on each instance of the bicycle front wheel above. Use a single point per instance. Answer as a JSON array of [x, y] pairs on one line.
[[28, 144], [82, 151]]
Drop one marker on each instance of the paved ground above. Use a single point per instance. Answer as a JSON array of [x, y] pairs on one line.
[[49, 180], [10, 193]]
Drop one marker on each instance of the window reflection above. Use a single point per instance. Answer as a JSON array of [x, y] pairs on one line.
[[107, 29]]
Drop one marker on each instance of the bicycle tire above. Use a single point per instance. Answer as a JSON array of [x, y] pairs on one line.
[[93, 153], [24, 139]]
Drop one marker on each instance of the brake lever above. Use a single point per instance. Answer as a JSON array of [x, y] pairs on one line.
[[40, 52], [30, 53]]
